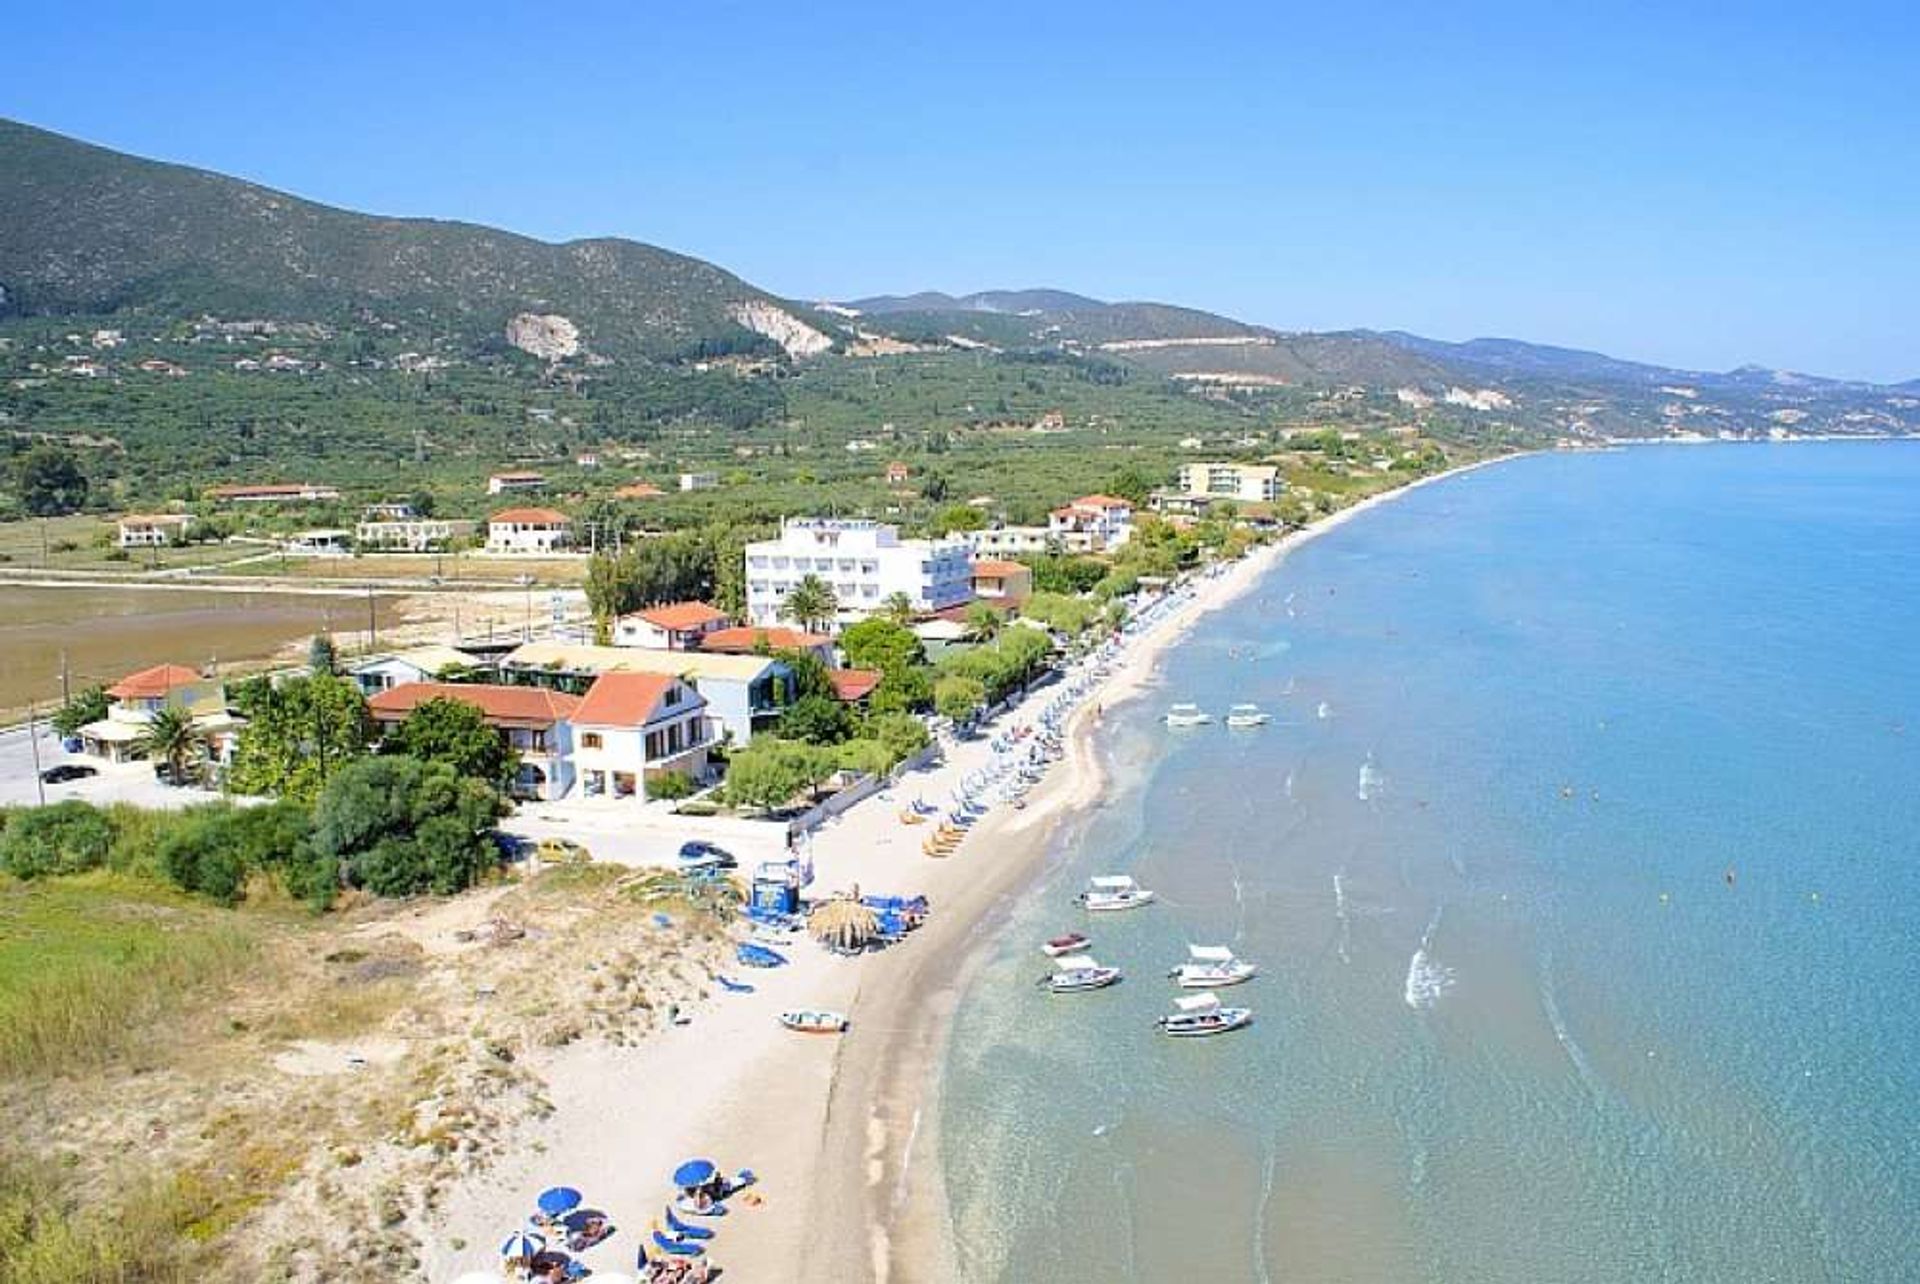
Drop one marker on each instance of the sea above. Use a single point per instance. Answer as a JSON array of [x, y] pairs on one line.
[[1581, 861]]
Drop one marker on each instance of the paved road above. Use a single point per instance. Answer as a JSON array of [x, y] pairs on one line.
[[131, 782]]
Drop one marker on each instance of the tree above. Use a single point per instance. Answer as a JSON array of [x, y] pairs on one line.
[[769, 772], [903, 735], [882, 643], [898, 608], [903, 691], [215, 848], [1055, 574], [49, 481], [456, 734], [811, 604], [398, 826], [1062, 614], [297, 735], [816, 719], [1130, 484], [322, 655], [958, 698], [958, 517], [982, 622], [86, 706], [171, 737], [808, 674], [867, 756]]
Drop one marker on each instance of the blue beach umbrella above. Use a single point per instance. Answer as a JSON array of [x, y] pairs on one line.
[[695, 1172], [522, 1244], [560, 1199]]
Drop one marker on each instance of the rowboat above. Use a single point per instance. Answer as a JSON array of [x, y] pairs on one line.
[[1199, 1015], [814, 1022], [1211, 965], [1069, 943]]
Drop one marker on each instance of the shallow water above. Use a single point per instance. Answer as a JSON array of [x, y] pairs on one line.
[[105, 633], [1515, 1022]]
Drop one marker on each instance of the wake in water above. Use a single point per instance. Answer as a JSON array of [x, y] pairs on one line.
[[1588, 1078], [1371, 780], [1324, 712], [1340, 916], [1426, 979]]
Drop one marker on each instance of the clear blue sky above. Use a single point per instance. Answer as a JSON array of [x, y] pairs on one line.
[[1700, 186]]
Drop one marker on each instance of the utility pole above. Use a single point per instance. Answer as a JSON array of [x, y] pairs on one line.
[[66, 679], [373, 623], [33, 742]]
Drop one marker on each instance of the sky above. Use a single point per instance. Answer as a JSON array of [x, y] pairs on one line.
[[1700, 186]]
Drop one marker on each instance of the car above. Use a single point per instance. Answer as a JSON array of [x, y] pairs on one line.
[[698, 853], [562, 851], [66, 771]]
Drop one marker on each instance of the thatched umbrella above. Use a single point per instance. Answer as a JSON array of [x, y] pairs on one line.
[[844, 923]]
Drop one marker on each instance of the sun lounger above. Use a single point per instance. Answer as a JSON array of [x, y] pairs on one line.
[[678, 1247], [685, 1230]]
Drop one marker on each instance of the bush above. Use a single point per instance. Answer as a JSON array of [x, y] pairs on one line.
[[398, 826], [816, 719], [670, 785], [867, 756], [214, 849], [67, 838], [903, 735]]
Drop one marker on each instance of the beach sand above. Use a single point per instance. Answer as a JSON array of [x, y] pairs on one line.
[[840, 1131]]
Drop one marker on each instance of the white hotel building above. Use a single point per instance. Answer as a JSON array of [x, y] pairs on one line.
[[864, 562]]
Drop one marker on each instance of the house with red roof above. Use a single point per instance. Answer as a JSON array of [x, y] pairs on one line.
[[670, 626], [1092, 524], [634, 727], [136, 698], [1000, 581], [534, 722], [528, 530], [758, 640], [853, 686]]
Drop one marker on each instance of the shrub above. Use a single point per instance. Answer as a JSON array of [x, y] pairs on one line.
[[214, 849], [670, 785], [398, 826], [903, 735], [816, 719], [66, 838]]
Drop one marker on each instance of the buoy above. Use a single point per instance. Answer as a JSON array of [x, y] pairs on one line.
[[1664, 898]]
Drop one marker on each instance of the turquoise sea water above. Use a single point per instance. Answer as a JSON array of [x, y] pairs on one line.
[[1514, 1024]]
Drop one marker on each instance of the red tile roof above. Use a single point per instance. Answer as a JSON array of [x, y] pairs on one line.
[[638, 490], [1000, 570], [746, 640], [629, 699], [157, 681], [853, 684], [530, 517], [1101, 501], [681, 615], [511, 706]]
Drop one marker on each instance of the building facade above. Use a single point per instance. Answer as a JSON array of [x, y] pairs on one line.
[[673, 626], [1091, 524], [535, 723], [153, 530], [528, 530], [501, 483], [1248, 483], [409, 534], [1009, 541], [864, 562], [634, 727]]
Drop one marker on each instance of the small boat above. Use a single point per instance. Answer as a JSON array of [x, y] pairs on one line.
[[1069, 943], [1108, 892], [1211, 965], [1246, 715], [1080, 972], [814, 1022], [1199, 1015], [1188, 715]]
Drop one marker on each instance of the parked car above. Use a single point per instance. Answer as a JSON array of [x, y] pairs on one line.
[[562, 851], [698, 854], [63, 772]]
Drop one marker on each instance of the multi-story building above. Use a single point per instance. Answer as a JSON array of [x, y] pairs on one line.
[[1008, 541], [534, 723], [410, 534], [998, 581], [864, 562], [671, 626], [136, 698], [1091, 524], [744, 694], [500, 483], [273, 493], [528, 530], [1249, 483], [699, 481], [153, 530], [634, 727]]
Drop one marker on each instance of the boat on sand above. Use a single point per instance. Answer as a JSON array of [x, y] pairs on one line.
[[809, 1021]]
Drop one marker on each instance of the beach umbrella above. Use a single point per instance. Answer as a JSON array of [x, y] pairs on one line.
[[844, 923], [695, 1172], [523, 1244], [558, 1200]]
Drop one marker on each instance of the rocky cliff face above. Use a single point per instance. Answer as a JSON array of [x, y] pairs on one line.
[[785, 329], [548, 336]]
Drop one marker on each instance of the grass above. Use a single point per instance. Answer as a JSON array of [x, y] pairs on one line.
[[88, 965], [82, 542], [49, 1234]]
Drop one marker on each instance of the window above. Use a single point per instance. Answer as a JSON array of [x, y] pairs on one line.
[[590, 740]]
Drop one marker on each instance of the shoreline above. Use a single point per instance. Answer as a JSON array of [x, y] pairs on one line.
[[843, 1131]]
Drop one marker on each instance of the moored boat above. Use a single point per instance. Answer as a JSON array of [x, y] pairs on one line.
[[1080, 972], [1199, 1015], [1211, 965], [1246, 715], [1107, 892], [1067, 943], [808, 1021], [1188, 715]]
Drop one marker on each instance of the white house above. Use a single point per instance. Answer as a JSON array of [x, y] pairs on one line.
[[500, 483], [153, 530], [136, 698], [420, 664], [745, 694], [699, 481], [634, 727], [327, 542], [864, 562], [528, 530], [1007, 541], [1249, 483], [1092, 524], [673, 626], [410, 534]]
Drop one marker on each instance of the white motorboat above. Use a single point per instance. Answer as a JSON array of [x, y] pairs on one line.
[[1188, 715], [814, 1022], [1246, 715], [1211, 965], [1199, 1015], [1080, 972], [1108, 892]]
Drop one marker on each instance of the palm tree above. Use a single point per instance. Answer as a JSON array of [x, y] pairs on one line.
[[171, 737], [811, 604], [982, 622], [898, 607]]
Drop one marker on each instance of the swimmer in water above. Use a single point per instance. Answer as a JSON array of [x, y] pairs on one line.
[[1729, 876]]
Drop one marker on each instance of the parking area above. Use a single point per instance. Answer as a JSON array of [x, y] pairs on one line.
[[129, 782]]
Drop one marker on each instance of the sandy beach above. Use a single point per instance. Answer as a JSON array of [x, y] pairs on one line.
[[839, 1131]]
